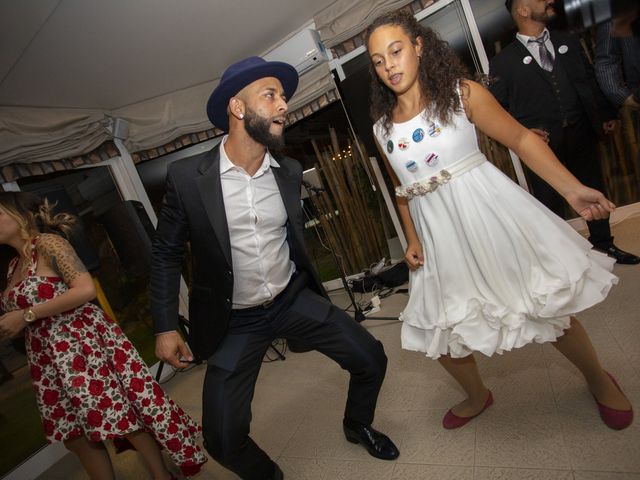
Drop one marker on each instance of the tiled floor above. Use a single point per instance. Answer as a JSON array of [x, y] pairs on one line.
[[543, 426]]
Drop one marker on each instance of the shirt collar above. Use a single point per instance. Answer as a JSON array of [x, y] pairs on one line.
[[524, 38], [226, 164]]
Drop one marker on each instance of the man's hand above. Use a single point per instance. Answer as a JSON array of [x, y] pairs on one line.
[[631, 101], [170, 348], [611, 126], [543, 134], [590, 204]]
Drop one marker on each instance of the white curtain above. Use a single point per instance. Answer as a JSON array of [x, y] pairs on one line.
[[344, 19], [39, 134], [313, 84], [157, 121], [29, 135]]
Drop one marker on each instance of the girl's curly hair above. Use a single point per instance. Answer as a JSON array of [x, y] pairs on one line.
[[440, 71]]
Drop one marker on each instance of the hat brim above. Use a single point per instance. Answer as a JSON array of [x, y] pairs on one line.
[[219, 99]]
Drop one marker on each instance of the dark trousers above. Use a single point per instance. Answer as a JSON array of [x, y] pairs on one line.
[[576, 146], [297, 314]]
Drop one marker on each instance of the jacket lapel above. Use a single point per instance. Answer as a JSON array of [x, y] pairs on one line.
[[289, 190], [210, 189], [523, 52], [561, 58]]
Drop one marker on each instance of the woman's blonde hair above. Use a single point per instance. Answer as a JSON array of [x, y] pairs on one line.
[[35, 216]]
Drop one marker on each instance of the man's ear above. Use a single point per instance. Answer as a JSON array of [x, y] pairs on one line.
[[522, 10], [236, 107]]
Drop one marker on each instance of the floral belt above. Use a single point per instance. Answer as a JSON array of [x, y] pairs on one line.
[[441, 177]]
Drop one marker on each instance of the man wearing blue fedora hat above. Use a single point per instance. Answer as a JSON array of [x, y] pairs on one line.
[[239, 207]]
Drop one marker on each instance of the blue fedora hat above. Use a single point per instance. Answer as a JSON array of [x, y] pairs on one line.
[[241, 74]]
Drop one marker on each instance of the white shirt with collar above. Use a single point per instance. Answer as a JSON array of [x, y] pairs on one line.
[[257, 219], [533, 47]]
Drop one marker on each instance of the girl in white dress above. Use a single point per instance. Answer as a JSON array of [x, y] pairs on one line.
[[492, 269]]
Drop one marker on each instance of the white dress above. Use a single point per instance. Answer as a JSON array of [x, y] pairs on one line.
[[501, 270]]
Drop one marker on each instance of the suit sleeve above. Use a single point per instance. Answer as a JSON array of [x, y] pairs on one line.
[[167, 254], [604, 109], [607, 63], [498, 86]]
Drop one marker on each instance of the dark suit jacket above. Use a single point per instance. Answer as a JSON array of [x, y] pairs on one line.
[[193, 210], [525, 90]]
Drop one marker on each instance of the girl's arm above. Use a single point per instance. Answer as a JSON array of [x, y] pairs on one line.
[[486, 113], [413, 255]]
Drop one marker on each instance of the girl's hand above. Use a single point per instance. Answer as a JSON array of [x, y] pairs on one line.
[[413, 256], [11, 324], [589, 203]]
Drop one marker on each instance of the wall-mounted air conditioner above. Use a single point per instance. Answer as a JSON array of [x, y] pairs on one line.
[[304, 51]]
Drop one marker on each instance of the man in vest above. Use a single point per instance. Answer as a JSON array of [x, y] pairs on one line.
[[546, 82]]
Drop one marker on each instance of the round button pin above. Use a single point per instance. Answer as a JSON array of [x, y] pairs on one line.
[[389, 146], [432, 159], [434, 130], [411, 166], [403, 144], [418, 135]]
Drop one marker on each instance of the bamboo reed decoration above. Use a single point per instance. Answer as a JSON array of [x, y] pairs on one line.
[[352, 227]]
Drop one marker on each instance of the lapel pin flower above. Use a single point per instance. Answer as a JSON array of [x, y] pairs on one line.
[[527, 60], [563, 49]]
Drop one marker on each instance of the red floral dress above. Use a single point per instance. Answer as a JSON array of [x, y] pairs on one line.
[[89, 379]]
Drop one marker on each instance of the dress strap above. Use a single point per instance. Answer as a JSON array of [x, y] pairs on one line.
[[33, 265], [12, 267]]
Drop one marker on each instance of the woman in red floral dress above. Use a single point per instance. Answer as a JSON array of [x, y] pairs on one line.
[[90, 382]]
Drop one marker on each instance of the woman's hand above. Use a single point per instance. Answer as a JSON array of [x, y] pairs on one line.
[[413, 256], [589, 203], [11, 324]]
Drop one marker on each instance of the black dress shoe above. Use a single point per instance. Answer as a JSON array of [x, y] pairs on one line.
[[377, 444], [621, 256]]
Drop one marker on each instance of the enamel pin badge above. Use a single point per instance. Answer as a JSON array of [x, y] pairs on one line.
[[432, 159], [389, 146], [411, 166], [434, 130]]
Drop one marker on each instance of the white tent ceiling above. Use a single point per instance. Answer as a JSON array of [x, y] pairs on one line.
[[106, 54]]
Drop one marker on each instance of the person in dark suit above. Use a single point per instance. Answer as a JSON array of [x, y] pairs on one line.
[[239, 207], [545, 81]]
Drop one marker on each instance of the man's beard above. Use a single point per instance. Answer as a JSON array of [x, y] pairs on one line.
[[258, 129], [545, 17]]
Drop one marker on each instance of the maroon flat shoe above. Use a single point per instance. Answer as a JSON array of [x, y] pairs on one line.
[[451, 420], [613, 418]]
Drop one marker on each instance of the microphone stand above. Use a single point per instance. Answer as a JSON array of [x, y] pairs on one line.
[[358, 315]]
